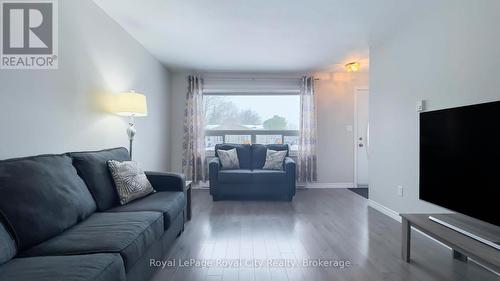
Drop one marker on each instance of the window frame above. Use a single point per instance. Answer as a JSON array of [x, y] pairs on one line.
[[252, 132]]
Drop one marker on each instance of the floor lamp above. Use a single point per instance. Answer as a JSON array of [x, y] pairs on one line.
[[131, 104]]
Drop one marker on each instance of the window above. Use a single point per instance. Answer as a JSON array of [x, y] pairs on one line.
[[269, 139], [259, 118], [243, 139]]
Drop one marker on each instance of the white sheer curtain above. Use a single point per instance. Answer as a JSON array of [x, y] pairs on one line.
[[306, 164], [194, 161]]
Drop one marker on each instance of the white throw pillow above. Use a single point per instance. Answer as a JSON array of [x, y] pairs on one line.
[[130, 180], [229, 159], [274, 159]]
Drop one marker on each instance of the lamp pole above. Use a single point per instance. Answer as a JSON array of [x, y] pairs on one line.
[[131, 105], [131, 133]]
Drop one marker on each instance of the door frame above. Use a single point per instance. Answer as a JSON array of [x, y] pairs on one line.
[[355, 131]]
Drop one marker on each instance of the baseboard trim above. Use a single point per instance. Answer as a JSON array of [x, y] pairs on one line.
[[384, 210], [395, 215], [201, 185], [313, 185], [204, 185], [330, 185]]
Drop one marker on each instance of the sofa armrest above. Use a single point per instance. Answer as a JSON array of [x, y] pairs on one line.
[[162, 181], [290, 169], [289, 165], [213, 168]]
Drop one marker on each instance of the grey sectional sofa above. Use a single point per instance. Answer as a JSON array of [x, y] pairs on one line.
[[60, 219], [251, 181]]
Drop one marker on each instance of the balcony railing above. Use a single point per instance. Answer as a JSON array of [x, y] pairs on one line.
[[290, 137]]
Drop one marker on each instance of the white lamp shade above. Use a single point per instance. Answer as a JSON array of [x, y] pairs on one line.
[[130, 104]]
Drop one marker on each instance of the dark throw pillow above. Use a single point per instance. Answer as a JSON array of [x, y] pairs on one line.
[[92, 166], [42, 196]]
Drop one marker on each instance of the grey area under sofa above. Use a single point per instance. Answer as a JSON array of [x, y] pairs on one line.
[[60, 219], [251, 181]]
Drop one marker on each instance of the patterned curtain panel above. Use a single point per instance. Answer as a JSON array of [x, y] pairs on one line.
[[306, 164], [194, 161]]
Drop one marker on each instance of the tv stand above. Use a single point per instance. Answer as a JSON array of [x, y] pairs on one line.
[[448, 222], [463, 245]]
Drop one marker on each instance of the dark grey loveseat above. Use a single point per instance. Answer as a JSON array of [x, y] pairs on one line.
[[251, 181], [61, 220]]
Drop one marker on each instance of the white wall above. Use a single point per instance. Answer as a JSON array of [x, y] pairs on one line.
[[56, 111], [177, 107], [449, 58], [335, 111]]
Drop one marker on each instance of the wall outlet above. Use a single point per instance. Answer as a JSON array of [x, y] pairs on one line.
[[400, 190]]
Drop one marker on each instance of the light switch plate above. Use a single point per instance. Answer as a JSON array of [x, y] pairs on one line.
[[420, 106], [400, 190]]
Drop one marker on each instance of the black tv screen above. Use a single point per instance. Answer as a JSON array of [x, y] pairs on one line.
[[460, 160]]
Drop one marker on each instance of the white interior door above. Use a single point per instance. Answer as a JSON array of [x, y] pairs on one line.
[[361, 138]]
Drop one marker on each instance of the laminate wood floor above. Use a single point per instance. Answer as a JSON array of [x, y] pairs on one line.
[[328, 224]]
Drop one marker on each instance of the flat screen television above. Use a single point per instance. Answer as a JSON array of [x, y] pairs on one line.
[[460, 160]]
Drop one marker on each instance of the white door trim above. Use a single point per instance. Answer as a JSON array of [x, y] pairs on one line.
[[355, 130]]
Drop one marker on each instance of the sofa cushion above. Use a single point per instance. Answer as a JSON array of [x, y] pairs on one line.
[[41, 196], [171, 204], [235, 176], [268, 176], [7, 245], [244, 153], [98, 267], [259, 152], [129, 233], [93, 168]]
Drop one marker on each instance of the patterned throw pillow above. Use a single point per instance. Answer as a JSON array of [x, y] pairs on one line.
[[229, 159], [130, 180], [274, 159]]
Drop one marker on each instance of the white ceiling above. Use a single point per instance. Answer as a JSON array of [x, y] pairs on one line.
[[260, 35]]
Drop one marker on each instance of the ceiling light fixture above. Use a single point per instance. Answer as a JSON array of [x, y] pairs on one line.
[[352, 66]]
